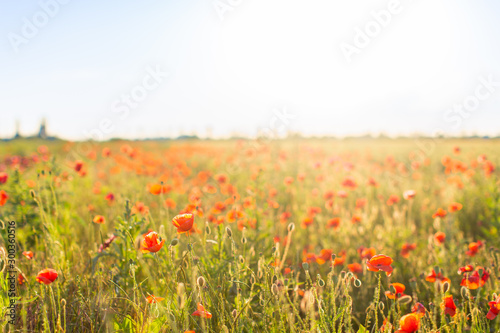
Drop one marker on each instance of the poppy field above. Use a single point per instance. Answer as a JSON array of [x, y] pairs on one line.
[[295, 235]]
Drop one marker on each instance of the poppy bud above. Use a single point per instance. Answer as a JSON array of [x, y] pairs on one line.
[[200, 281], [464, 293], [446, 286], [357, 283], [234, 313], [207, 228], [174, 242], [243, 240], [291, 227], [274, 289], [381, 306], [404, 299], [321, 283], [241, 259], [229, 232], [32, 193], [305, 266]]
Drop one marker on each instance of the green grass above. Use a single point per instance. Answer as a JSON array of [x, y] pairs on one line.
[[247, 281]]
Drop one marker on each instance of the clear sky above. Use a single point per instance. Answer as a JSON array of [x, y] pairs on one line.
[[229, 66]]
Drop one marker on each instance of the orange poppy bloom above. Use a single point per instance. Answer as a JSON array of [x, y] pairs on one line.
[[183, 222], [494, 308], [324, 256], [21, 279], [151, 299], [356, 218], [380, 262], [3, 177], [288, 181], [28, 254], [361, 202], [333, 223], [439, 213], [407, 248], [474, 248], [454, 207], [366, 252], [355, 268], [78, 166], [99, 219], [439, 237], [393, 199], [3, 197], [157, 189], [110, 197], [418, 309], [151, 242], [409, 323], [466, 269], [372, 182], [170, 203], [448, 305], [399, 287], [340, 259], [307, 221], [201, 312], [410, 194], [350, 183], [433, 277], [474, 280], [46, 276]]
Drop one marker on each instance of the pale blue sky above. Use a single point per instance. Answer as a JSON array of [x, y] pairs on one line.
[[231, 75]]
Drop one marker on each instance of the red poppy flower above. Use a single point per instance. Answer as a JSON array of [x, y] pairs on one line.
[[355, 268], [99, 219], [409, 323], [474, 248], [494, 309], [28, 254], [78, 166], [201, 312], [439, 237], [324, 256], [433, 277], [366, 252], [380, 262], [410, 194], [183, 222], [151, 299], [340, 259], [454, 207], [465, 269], [439, 213], [418, 309], [46, 276], [110, 197], [21, 279], [333, 223], [157, 189], [3, 177], [399, 288], [151, 242], [3, 197], [448, 305], [407, 248], [393, 199]]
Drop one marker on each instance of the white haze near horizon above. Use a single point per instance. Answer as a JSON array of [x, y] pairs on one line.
[[234, 76]]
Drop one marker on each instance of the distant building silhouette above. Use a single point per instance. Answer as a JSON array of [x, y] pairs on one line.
[[42, 134], [18, 132]]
